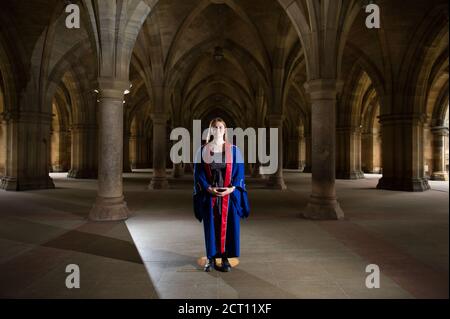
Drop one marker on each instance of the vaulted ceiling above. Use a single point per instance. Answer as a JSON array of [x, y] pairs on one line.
[[215, 54]]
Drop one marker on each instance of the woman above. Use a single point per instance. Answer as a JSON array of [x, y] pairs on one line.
[[220, 195]]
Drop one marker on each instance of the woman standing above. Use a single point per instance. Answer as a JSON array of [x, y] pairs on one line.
[[220, 195]]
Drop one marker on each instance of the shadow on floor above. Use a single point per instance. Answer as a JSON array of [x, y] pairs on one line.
[[93, 242]]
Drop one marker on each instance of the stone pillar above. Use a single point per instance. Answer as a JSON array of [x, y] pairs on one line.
[[439, 171], [308, 146], [255, 167], [178, 170], [141, 152], [133, 151], [370, 152], [138, 151], [2, 146], [402, 142], [255, 170], [367, 150], [84, 151], [65, 150], [150, 149], [28, 151], [159, 180], [59, 155], [110, 204], [276, 181], [188, 169], [302, 150], [294, 153], [323, 203], [348, 164], [126, 152]]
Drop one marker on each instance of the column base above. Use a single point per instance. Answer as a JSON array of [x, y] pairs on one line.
[[320, 208], [406, 184], [159, 183], [109, 209], [350, 175], [276, 183], [83, 173], [439, 176], [25, 184]]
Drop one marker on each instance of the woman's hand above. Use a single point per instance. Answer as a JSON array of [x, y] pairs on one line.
[[228, 191], [213, 191]]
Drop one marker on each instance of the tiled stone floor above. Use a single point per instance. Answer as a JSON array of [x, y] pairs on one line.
[[154, 253]]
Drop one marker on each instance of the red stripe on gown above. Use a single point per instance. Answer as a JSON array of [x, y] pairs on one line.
[[225, 199]]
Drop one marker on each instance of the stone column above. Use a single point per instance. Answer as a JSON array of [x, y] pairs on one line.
[[65, 150], [323, 203], [178, 170], [188, 169], [126, 151], [2, 146], [110, 204], [402, 142], [138, 151], [133, 151], [84, 151], [55, 165], [276, 181], [247, 168], [28, 151], [150, 149], [294, 153], [367, 141], [255, 167], [159, 180], [141, 152], [255, 170], [370, 152], [348, 164], [308, 146], [439, 171], [302, 150]]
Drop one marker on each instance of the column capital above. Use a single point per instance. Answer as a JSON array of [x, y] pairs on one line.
[[322, 89], [83, 126], [159, 117], [439, 130], [27, 116], [394, 119], [349, 128], [367, 133], [112, 88], [9, 115], [275, 120]]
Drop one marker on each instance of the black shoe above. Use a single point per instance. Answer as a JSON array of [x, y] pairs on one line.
[[226, 265], [209, 265]]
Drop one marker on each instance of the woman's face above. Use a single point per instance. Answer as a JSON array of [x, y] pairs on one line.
[[218, 130]]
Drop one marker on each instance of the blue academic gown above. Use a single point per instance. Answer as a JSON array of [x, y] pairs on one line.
[[234, 206]]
